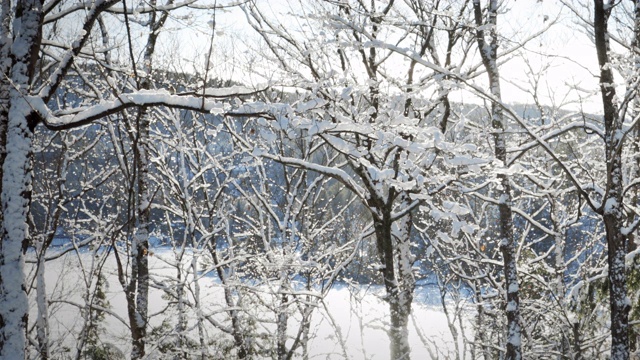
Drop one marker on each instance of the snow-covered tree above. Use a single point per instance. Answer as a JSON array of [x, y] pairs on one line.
[[388, 122], [611, 206], [487, 38], [27, 90]]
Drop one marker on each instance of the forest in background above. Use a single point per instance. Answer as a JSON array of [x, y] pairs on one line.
[[376, 151]]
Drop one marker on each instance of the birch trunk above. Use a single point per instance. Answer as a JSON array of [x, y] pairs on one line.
[[5, 65], [16, 179]]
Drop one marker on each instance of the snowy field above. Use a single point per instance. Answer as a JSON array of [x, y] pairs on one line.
[[358, 317]]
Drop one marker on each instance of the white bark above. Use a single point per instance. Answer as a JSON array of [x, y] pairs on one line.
[[16, 184]]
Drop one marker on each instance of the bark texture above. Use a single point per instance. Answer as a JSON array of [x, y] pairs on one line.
[[138, 288], [488, 52], [612, 210], [394, 252], [16, 180]]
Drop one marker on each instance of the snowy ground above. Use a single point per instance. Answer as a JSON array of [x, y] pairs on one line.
[[358, 318]]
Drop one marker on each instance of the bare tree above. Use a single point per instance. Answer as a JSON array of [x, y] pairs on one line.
[[26, 106], [612, 210], [390, 178], [488, 48]]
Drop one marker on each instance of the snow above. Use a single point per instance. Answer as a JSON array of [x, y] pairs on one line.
[[610, 205], [513, 288], [84, 115], [309, 105], [16, 184], [230, 91], [360, 317], [465, 160], [336, 173], [515, 339]]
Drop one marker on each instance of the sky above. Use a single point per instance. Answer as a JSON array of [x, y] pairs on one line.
[[562, 60]]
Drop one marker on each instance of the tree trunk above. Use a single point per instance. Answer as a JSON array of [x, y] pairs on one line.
[[282, 319], [42, 323], [5, 65], [632, 240], [238, 333], [398, 280], [137, 289], [401, 231], [612, 211], [16, 177], [140, 246], [617, 287], [198, 306], [577, 350], [558, 285], [16, 197], [488, 53], [480, 342]]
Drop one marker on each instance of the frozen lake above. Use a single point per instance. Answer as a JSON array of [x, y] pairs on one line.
[[358, 316]]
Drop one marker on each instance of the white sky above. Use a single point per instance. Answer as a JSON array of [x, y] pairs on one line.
[[563, 59]]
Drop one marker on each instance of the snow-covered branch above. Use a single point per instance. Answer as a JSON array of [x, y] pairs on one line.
[[72, 118], [333, 172]]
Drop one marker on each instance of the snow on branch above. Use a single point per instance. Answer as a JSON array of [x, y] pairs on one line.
[[224, 92], [338, 174], [76, 117], [465, 79], [142, 8], [56, 77], [94, 307], [577, 125]]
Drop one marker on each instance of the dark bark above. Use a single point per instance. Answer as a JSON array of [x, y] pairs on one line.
[[577, 350], [5, 65], [398, 284], [141, 147], [139, 285], [243, 351], [282, 319], [632, 240], [398, 280], [612, 211], [488, 52], [481, 339]]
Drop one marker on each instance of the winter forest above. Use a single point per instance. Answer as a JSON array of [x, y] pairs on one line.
[[320, 179]]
